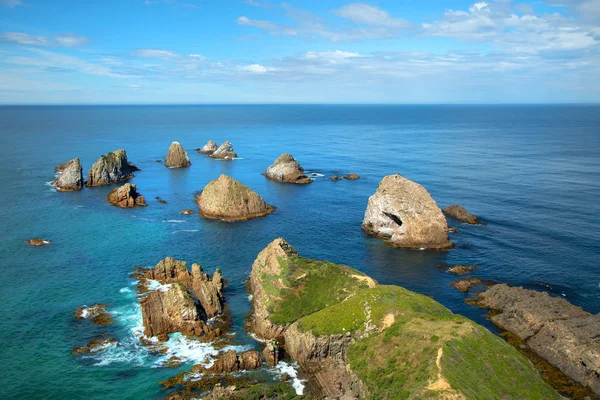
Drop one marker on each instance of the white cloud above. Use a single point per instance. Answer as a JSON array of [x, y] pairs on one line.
[[70, 40], [12, 3], [260, 4], [257, 69], [361, 13], [25, 39], [155, 53]]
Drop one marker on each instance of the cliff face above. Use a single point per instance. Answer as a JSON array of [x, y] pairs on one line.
[[404, 213], [230, 200], [70, 176], [287, 169], [177, 157], [561, 333], [111, 168], [126, 196], [354, 338]]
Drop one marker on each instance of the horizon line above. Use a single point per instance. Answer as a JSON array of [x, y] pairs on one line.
[[293, 104]]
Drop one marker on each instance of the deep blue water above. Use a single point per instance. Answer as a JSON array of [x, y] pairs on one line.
[[532, 173]]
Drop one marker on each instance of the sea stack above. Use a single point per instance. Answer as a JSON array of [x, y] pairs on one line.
[[111, 168], [229, 200], [126, 196], [460, 213], [225, 152], [209, 148], [404, 213], [287, 169], [177, 157], [70, 176]]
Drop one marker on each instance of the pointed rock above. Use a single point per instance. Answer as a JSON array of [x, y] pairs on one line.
[[177, 157], [70, 176], [460, 213], [111, 168], [287, 169], [209, 148], [225, 151], [230, 200], [126, 196], [405, 214]]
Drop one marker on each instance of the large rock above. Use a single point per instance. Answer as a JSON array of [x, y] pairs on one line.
[[404, 213], [225, 151], [70, 176], [232, 362], [229, 200], [209, 148], [177, 157], [111, 168], [460, 213], [287, 169], [563, 334], [126, 196]]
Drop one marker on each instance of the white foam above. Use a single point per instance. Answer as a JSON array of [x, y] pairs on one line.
[[156, 285], [52, 186], [174, 221], [124, 290], [253, 336], [186, 230], [290, 369], [315, 175], [250, 297]]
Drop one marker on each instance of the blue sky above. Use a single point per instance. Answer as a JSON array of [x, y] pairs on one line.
[[328, 51]]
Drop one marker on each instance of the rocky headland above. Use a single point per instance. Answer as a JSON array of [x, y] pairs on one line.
[[177, 157], [177, 300], [287, 169], [354, 338], [460, 213], [404, 213], [209, 148], [126, 196], [563, 334], [229, 200], [111, 168], [70, 176], [225, 152]]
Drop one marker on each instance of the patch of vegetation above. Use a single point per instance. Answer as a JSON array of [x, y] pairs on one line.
[[278, 391], [368, 308], [306, 286]]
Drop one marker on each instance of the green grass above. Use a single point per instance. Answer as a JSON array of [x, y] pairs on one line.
[[277, 391], [352, 315], [308, 286]]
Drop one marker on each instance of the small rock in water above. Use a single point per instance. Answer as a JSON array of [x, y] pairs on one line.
[[160, 200], [287, 169], [225, 152], [95, 345], [458, 269], [209, 148], [336, 178], [352, 176], [187, 212], [452, 229], [460, 213], [466, 284], [177, 157], [126, 196], [37, 242], [96, 312]]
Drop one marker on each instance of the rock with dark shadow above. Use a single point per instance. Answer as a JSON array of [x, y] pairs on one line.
[[111, 168], [404, 213], [460, 213], [126, 196], [286, 169], [177, 157]]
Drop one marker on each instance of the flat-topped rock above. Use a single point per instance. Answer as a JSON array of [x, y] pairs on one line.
[[287, 169], [460, 213], [38, 242], [565, 335], [177, 157], [70, 176], [209, 148], [126, 196], [404, 213], [352, 176], [225, 152], [111, 168], [229, 200]]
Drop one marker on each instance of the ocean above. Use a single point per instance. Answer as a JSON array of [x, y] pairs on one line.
[[531, 173]]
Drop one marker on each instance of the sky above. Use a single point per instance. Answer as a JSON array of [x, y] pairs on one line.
[[327, 51]]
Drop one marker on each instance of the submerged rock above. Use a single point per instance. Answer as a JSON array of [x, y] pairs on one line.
[[287, 169], [37, 242], [97, 312], [177, 157], [405, 214], [466, 284], [229, 200], [225, 151], [95, 345], [458, 269], [336, 178], [460, 213], [563, 334], [187, 212], [209, 148], [70, 176], [126, 196], [111, 168], [352, 176]]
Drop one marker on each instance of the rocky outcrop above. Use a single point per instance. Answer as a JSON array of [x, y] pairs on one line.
[[271, 352], [229, 200], [95, 346], [404, 213], [37, 242], [460, 213], [209, 148], [458, 269], [111, 168], [126, 196], [352, 176], [225, 152], [232, 362], [70, 176], [177, 157], [177, 300], [466, 284], [97, 313], [286, 169], [563, 334]]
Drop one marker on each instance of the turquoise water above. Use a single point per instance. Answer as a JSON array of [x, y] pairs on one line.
[[530, 172]]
